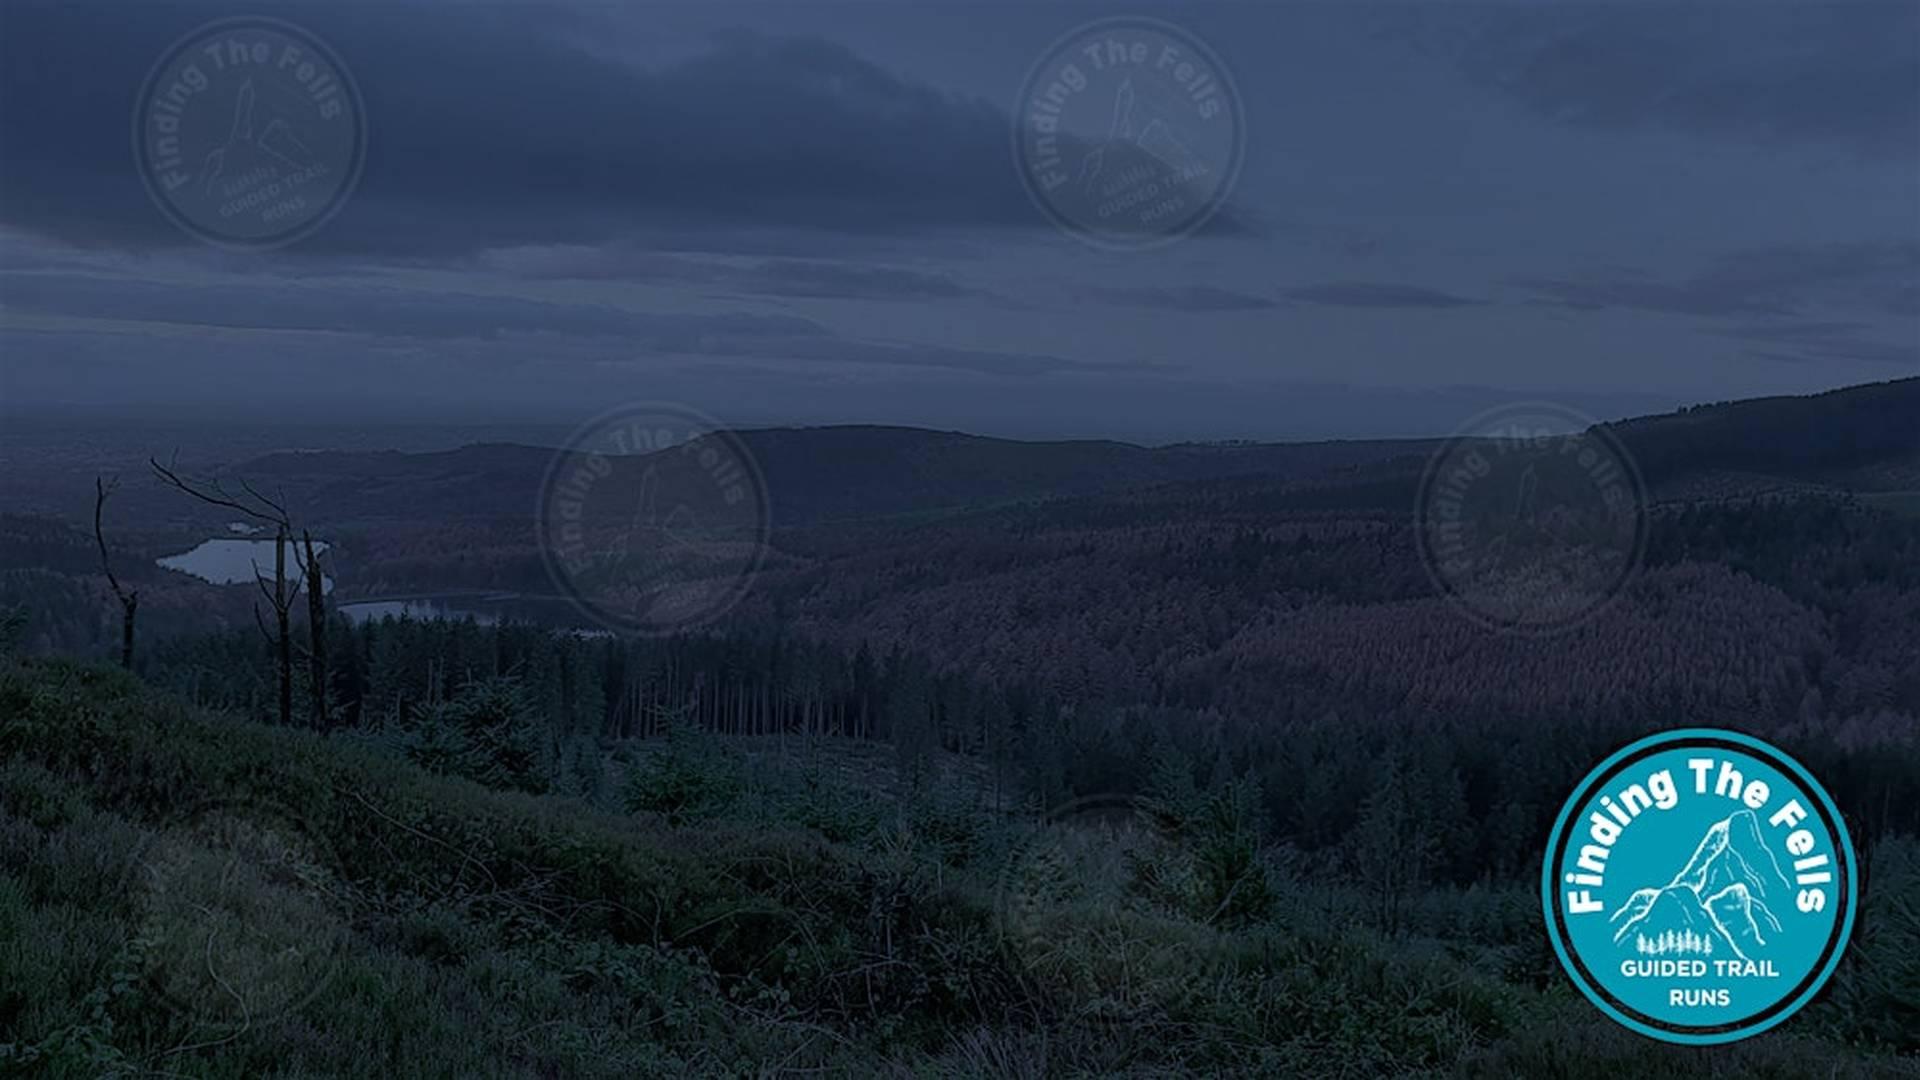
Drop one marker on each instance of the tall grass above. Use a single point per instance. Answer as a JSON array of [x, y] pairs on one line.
[[184, 894]]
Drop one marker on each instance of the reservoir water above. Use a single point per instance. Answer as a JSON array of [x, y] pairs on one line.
[[235, 562], [486, 609]]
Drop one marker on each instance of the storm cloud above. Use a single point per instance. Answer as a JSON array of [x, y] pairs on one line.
[[491, 126], [1192, 298], [1839, 72], [1781, 280], [812, 212], [1817, 342], [1378, 294], [369, 311]]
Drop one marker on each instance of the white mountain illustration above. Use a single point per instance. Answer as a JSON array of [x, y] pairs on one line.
[[651, 542], [1157, 139], [276, 139], [1154, 138], [1717, 900]]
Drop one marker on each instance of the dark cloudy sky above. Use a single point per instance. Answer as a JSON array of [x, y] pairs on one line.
[[797, 212]]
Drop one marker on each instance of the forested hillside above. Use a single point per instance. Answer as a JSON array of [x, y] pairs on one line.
[[1197, 776], [951, 540], [1851, 436], [195, 894], [1861, 437], [810, 474]]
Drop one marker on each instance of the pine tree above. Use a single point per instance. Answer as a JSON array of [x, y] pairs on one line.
[[1392, 845]]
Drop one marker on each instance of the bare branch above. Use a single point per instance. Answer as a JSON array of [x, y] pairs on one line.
[[272, 595], [274, 512], [102, 489], [262, 624], [278, 508], [129, 599], [210, 491]]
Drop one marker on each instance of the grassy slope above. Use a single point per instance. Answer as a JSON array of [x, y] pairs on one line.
[[339, 913]]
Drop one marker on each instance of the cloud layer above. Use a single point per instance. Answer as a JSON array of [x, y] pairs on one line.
[[1839, 72], [507, 132], [1377, 294]]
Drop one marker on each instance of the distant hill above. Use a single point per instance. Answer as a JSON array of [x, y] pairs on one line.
[[812, 474], [1864, 438]]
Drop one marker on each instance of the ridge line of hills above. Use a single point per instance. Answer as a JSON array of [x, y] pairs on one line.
[[1860, 438]]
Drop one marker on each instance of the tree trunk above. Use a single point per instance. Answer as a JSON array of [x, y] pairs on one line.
[[127, 606], [285, 639], [317, 636], [129, 600]]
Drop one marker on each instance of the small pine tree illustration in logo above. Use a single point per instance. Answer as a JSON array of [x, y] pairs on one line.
[[1678, 942], [1767, 892]]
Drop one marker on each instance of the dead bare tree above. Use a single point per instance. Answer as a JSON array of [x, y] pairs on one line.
[[129, 598], [316, 630], [278, 591], [280, 598]]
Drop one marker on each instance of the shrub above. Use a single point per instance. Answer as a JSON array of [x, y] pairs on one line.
[[1215, 872], [13, 629], [838, 811], [955, 830], [689, 778], [504, 934], [488, 733]]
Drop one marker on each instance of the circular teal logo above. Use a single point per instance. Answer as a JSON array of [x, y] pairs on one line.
[[1699, 886]]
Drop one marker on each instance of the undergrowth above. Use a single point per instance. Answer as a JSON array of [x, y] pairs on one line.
[[187, 894]]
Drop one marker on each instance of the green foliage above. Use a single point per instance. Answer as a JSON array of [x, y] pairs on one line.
[[13, 629], [1875, 1000], [582, 770], [689, 778], [487, 733], [1395, 843], [953, 828], [1212, 867], [498, 933], [839, 811]]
